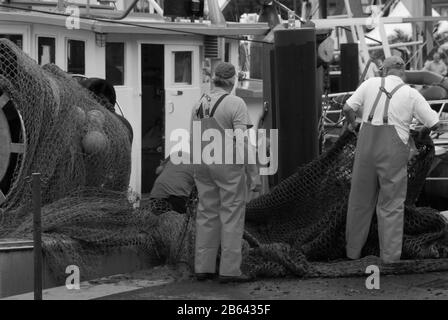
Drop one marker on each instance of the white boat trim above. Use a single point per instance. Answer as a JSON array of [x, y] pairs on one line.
[[146, 27]]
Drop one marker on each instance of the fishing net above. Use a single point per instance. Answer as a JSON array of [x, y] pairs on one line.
[[302, 220], [296, 229], [67, 136]]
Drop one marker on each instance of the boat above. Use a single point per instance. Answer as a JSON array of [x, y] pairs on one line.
[[156, 63]]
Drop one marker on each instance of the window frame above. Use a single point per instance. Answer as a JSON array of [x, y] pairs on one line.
[[42, 35], [173, 75], [16, 34], [124, 61], [19, 29], [66, 53]]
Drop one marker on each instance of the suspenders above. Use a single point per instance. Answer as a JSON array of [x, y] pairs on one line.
[[388, 98], [200, 112]]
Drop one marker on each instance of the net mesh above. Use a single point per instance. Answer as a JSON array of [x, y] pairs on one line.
[[71, 139], [296, 229]]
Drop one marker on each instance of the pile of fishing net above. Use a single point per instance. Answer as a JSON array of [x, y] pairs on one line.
[[295, 230], [68, 137], [301, 222]]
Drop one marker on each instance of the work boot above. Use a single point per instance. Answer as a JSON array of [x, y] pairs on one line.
[[235, 279], [205, 276]]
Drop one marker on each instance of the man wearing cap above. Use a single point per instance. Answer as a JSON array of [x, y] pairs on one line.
[[387, 107], [221, 187]]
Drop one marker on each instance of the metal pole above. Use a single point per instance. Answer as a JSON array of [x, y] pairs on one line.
[[37, 235], [323, 7], [429, 26]]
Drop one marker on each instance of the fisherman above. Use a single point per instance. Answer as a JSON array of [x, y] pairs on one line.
[[222, 187], [172, 188], [436, 65], [379, 180]]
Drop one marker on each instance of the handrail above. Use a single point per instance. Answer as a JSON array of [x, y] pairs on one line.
[[120, 17], [397, 45], [437, 101], [332, 95]]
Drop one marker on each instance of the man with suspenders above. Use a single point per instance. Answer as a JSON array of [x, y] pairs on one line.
[[379, 179], [221, 187]]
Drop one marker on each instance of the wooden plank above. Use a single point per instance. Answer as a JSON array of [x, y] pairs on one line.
[[17, 148], [4, 99]]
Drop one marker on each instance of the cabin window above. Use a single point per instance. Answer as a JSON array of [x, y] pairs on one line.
[[183, 67], [76, 59], [46, 50], [115, 63], [16, 38]]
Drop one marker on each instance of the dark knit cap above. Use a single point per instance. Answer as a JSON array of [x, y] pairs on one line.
[[225, 70]]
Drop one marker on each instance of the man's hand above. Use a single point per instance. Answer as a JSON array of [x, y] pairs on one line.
[[423, 133], [352, 127], [423, 136], [350, 119]]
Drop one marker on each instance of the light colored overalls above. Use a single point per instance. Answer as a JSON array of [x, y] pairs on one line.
[[379, 180], [221, 209]]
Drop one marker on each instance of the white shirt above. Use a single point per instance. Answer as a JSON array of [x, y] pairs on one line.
[[405, 105]]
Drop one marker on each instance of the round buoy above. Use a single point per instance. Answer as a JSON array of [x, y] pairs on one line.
[[326, 49], [96, 118], [12, 144], [94, 142], [80, 115]]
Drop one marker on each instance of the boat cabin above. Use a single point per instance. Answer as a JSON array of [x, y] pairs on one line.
[[158, 67]]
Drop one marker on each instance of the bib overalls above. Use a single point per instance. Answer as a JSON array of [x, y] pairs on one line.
[[221, 209], [379, 181]]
